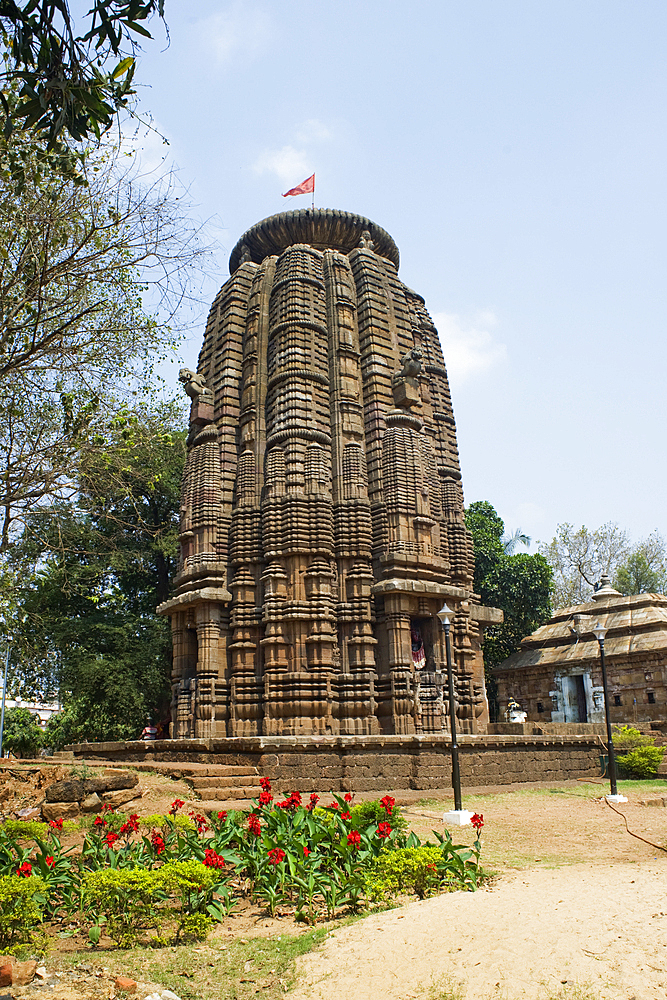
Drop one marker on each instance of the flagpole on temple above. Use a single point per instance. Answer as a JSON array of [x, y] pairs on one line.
[[313, 204]]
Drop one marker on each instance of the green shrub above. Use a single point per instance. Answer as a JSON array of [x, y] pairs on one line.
[[21, 909], [366, 813], [22, 733], [642, 762], [19, 829], [627, 738], [405, 869], [136, 899], [157, 820]]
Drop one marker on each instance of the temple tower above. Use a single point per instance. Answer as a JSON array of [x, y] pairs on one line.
[[322, 518]]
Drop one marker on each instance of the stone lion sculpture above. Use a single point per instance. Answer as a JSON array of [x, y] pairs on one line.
[[412, 364], [194, 384]]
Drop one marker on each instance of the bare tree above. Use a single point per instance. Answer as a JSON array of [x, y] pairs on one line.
[[579, 557], [77, 264]]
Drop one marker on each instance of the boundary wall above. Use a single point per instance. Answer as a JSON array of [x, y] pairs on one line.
[[361, 764]]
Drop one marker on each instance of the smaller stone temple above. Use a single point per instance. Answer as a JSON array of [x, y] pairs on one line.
[[556, 674]]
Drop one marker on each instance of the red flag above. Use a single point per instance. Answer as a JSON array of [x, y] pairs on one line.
[[305, 187]]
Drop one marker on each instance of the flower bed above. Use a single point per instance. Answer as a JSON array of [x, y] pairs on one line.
[[172, 882]]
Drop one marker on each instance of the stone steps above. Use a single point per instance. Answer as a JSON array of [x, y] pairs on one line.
[[224, 780], [227, 786], [212, 806]]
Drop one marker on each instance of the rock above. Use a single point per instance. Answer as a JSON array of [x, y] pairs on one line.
[[41, 972], [23, 973], [123, 983], [122, 795], [6, 974], [60, 810], [92, 803], [111, 782], [65, 791], [32, 813], [168, 995]]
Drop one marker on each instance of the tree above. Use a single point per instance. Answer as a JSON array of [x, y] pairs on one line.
[[645, 569], [579, 558], [67, 85], [517, 584], [76, 342], [95, 574], [511, 542], [22, 733]]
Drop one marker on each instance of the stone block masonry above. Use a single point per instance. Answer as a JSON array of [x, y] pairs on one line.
[[365, 764]]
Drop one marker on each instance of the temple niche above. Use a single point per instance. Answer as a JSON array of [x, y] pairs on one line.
[[322, 521]]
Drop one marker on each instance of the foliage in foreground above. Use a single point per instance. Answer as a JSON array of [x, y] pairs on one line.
[[172, 884]]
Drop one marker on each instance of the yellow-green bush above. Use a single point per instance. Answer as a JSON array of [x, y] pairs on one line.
[[641, 762], [21, 908], [405, 869], [159, 819], [20, 829], [136, 899]]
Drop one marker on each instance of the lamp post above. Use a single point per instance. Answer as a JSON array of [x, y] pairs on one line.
[[600, 632], [459, 816]]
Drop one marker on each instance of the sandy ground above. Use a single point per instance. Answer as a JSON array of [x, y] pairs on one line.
[[579, 931], [595, 928]]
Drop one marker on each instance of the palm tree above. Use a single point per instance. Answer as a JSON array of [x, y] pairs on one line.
[[510, 542]]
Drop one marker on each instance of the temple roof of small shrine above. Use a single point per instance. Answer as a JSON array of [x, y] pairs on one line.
[[636, 624]]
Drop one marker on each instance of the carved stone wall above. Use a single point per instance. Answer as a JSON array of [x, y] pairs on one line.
[[322, 515]]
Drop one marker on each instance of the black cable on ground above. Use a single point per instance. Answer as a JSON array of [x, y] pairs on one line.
[[649, 842]]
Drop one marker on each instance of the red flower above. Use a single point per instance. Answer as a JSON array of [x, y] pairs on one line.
[[354, 839], [265, 798], [265, 784], [106, 808], [346, 816], [348, 797], [49, 861], [306, 852], [293, 802], [222, 815], [25, 869], [98, 821], [56, 824], [276, 856], [388, 803], [314, 799], [111, 838], [213, 860], [332, 805], [130, 826], [477, 821], [199, 821], [254, 825], [175, 806], [383, 830], [157, 842]]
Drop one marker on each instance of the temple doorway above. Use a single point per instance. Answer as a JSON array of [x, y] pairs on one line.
[[574, 699]]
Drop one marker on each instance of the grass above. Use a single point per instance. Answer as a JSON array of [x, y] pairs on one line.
[[236, 969], [583, 789]]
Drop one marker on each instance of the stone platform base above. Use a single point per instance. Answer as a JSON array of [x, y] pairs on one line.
[[361, 764]]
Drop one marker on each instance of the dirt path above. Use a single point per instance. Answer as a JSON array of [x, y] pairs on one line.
[[584, 930], [578, 909]]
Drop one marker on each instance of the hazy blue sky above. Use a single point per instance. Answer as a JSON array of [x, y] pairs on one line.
[[516, 153]]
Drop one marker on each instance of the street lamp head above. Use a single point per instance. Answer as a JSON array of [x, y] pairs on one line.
[[599, 632], [445, 615]]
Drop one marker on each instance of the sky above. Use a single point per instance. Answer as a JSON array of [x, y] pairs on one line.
[[516, 153]]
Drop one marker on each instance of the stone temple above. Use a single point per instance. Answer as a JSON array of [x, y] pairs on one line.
[[322, 524]]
